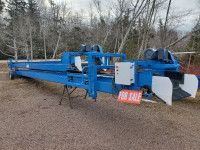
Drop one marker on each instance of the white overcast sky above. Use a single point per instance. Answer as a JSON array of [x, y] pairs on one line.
[[178, 5]]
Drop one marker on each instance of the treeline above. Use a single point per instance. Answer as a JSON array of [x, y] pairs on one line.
[[39, 29]]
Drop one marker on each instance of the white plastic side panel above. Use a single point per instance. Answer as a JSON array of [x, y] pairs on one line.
[[190, 84], [162, 87], [78, 63], [103, 59]]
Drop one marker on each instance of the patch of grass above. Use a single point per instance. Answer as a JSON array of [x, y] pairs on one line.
[[6, 94], [198, 94], [197, 98], [4, 67]]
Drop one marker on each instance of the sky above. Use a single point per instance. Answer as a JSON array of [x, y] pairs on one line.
[[178, 7], [192, 6]]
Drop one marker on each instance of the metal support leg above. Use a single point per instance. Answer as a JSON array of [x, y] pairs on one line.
[[86, 94], [70, 104], [62, 95], [72, 90], [68, 94]]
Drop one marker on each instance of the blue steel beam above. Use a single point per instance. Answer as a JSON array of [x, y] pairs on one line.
[[57, 77], [59, 72]]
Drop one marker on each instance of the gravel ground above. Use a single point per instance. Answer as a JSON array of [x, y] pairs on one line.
[[30, 118]]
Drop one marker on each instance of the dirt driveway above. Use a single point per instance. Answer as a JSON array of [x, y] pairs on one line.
[[30, 118]]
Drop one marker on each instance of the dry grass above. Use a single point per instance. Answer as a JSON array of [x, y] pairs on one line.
[[197, 98], [198, 95], [3, 67]]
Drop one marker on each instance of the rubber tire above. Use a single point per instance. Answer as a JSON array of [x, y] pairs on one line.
[[148, 89], [11, 75]]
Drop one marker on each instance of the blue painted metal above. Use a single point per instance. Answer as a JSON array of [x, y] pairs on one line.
[[63, 72], [198, 77]]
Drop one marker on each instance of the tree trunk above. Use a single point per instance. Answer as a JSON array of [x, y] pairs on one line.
[[135, 15], [116, 41], [126, 36], [15, 48], [166, 21], [27, 53], [31, 42], [55, 51], [175, 42], [45, 51], [149, 17], [106, 37]]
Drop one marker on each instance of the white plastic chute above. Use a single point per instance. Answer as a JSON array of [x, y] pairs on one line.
[[162, 87], [190, 84], [78, 63]]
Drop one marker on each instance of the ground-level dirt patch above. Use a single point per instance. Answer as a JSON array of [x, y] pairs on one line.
[[30, 118]]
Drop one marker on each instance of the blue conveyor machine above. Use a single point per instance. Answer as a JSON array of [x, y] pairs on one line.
[[91, 69]]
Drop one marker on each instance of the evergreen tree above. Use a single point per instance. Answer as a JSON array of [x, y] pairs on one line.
[[34, 24], [32, 8], [16, 10], [2, 4], [194, 43], [16, 7]]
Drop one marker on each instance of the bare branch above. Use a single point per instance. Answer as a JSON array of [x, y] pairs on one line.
[[7, 44], [135, 15], [175, 42], [55, 51], [6, 54]]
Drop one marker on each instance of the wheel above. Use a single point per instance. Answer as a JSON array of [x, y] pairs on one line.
[[147, 89], [11, 75]]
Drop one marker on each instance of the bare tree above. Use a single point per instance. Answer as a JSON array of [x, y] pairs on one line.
[[137, 10], [56, 48], [166, 20], [147, 25]]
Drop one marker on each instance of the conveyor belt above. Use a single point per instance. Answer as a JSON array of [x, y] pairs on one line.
[[178, 93]]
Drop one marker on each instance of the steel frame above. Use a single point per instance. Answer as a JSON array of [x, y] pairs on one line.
[[62, 72]]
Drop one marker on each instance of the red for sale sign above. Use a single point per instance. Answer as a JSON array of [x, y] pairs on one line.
[[130, 96]]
